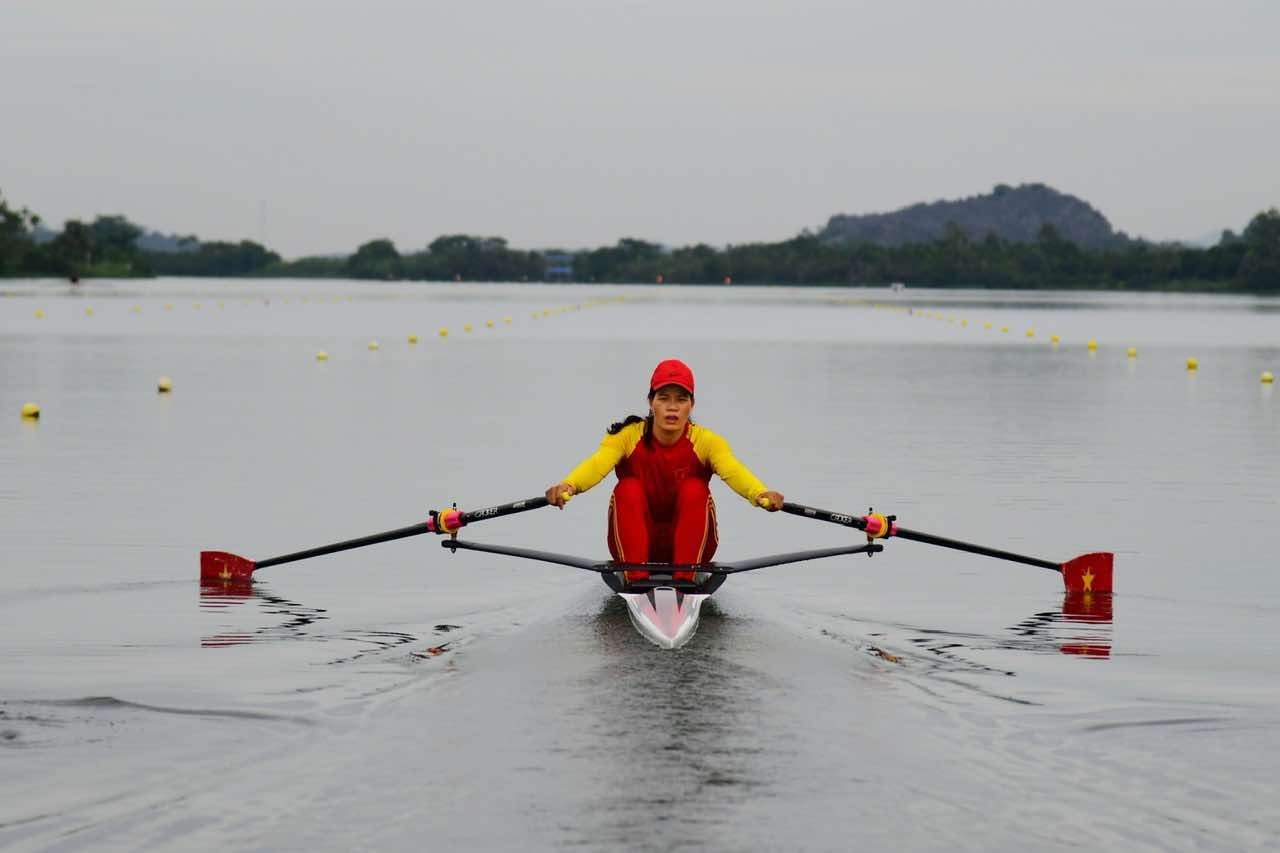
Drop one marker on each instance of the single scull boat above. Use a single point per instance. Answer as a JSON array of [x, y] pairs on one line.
[[663, 609]]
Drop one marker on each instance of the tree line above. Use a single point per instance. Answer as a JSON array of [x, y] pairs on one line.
[[106, 247]]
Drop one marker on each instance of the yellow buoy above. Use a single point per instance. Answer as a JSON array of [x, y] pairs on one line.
[[1053, 339], [1004, 328], [168, 306], [39, 313], [1132, 352], [137, 309], [986, 325], [506, 320], [444, 333], [322, 356], [1193, 363], [466, 327], [164, 385], [88, 312], [196, 306], [413, 339], [30, 411], [489, 323], [1267, 378], [373, 345], [1092, 345], [1031, 333], [964, 322]]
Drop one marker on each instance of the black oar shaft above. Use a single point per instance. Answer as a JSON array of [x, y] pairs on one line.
[[858, 523], [930, 539], [373, 539], [467, 517]]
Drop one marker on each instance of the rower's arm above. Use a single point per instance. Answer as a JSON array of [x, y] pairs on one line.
[[715, 451], [597, 466]]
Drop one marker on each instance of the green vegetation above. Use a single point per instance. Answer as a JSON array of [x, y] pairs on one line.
[[1247, 262], [105, 247]]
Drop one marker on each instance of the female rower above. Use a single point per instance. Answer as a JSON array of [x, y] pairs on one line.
[[661, 510]]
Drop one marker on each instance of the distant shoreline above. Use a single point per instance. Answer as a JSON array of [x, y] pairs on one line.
[[1245, 263], [1171, 287]]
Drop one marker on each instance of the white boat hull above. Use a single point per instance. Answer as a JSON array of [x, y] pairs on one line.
[[664, 616]]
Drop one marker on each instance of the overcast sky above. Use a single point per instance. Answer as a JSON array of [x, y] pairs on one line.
[[577, 122]]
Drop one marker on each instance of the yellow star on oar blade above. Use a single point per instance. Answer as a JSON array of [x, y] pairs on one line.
[[1087, 577], [225, 574]]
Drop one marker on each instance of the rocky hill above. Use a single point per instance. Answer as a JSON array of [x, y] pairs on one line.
[[1015, 214]]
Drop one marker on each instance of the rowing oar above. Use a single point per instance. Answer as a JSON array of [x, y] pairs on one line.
[[1086, 573], [224, 567]]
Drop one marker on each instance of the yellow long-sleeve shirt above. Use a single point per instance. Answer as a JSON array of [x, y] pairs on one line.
[[710, 449]]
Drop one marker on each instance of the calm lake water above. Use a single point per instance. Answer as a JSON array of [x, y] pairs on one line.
[[400, 698]]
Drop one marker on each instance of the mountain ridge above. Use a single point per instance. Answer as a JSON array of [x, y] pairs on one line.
[[1014, 214]]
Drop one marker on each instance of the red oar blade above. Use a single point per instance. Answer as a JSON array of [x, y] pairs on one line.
[[224, 567], [1089, 572]]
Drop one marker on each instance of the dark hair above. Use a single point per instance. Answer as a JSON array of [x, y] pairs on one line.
[[618, 426]]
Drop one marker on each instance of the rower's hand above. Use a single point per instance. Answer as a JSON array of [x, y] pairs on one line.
[[771, 501], [559, 494]]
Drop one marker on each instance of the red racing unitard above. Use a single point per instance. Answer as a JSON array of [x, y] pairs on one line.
[[661, 510]]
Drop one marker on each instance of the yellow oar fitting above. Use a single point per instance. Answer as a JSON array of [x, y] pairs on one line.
[[882, 526], [442, 521]]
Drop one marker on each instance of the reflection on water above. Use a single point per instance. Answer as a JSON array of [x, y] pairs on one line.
[[289, 619], [1082, 626], [684, 716]]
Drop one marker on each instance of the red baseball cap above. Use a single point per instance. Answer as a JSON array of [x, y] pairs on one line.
[[673, 371]]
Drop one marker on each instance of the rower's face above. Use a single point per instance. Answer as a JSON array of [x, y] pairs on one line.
[[671, 408]]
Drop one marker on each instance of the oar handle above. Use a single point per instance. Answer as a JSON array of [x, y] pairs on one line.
[[450, 520], [842, 518]]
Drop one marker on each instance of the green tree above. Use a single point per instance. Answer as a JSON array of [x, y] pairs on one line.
[[72, 251], [216, 258], [115, 236], [15, 238], [1260, 266], [377, 259]]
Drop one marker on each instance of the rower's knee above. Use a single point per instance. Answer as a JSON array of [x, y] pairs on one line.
[[693, 490], [629, 490]]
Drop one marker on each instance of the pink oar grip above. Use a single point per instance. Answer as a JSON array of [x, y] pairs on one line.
[[876, 524], [446, 521]]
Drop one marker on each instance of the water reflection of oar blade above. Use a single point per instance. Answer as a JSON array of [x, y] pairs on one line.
[[1093, 613], [1081, 627], [225, 597]]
